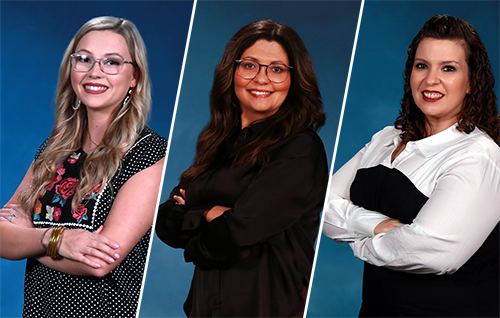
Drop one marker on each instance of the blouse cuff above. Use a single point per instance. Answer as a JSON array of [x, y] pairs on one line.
[[362, 222], [194, 218], [217, 234]]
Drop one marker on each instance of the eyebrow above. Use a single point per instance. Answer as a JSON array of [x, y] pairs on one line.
[[107, 54], [443, 62], [257, 60]]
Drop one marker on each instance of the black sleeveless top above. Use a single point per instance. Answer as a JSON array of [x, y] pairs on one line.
[[472, 291], [50, 293]]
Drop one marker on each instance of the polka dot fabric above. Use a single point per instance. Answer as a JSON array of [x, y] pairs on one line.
[[50, 293]]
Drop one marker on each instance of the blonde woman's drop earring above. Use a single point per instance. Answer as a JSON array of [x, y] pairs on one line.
[[127, 97], [77, 106]]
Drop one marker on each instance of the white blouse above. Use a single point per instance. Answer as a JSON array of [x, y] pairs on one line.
[[458, 172]]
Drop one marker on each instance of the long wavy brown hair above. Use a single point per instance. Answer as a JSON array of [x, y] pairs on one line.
[[301, 109], [70, 126], [480, 109]]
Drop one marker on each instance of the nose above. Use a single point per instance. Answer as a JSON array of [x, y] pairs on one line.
[[433, 77], [261, 76], [95, 71]]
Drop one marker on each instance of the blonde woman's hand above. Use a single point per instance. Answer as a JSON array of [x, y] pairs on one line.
[[15, 214], [77, 245]]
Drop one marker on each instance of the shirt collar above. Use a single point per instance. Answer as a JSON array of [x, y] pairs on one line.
[[434, 144]]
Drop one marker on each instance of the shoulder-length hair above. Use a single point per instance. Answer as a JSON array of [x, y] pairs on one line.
[[480, 109], [70, 125], [301, 109]]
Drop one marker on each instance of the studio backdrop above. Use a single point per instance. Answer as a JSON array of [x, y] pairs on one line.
[[35, 34]]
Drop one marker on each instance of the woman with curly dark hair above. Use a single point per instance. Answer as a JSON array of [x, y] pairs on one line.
[[423, 196], [247, 210]]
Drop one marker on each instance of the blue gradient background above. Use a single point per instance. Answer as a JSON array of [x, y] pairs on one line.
[[376, 87], [34, 36], [327, 28]]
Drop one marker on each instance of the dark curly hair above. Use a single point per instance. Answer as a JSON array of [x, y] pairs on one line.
[[301, 109], [480, 109]]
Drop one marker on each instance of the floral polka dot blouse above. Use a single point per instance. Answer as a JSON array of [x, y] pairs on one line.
[[50, 293]]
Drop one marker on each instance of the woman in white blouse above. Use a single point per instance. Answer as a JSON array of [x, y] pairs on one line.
[[420, 203]]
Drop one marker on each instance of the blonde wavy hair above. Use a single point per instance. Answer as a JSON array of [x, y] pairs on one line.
[[71, 125]]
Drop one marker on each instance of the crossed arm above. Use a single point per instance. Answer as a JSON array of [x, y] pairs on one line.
[[85, 253], [456, 220]]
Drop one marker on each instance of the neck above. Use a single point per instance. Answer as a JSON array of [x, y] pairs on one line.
[[245, 122], [434, 127], [97, 125]]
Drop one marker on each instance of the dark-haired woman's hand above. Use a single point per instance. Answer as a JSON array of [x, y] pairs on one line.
[[387, 225], [180, 198], [215, 212]]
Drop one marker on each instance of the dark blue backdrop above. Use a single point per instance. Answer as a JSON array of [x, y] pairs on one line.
[[376, 87], [327, 28], [34, 36]]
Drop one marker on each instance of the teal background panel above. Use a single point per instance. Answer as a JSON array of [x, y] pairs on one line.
[[328, 29], [33, 37], [386, 28]]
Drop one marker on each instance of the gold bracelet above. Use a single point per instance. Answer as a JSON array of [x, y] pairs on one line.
[[53, 245], [50, 246], [58, 241]]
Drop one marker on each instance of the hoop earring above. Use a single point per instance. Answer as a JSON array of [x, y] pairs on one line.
[[127, 97], [77, 106]]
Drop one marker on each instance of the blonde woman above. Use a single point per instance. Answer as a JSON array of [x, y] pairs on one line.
[[82, 214]]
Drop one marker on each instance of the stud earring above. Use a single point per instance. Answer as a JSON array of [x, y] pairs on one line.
[[77, 106]]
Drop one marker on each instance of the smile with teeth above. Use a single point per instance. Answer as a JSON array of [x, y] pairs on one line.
[[95, 88], [433, 95], [260, 92]]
